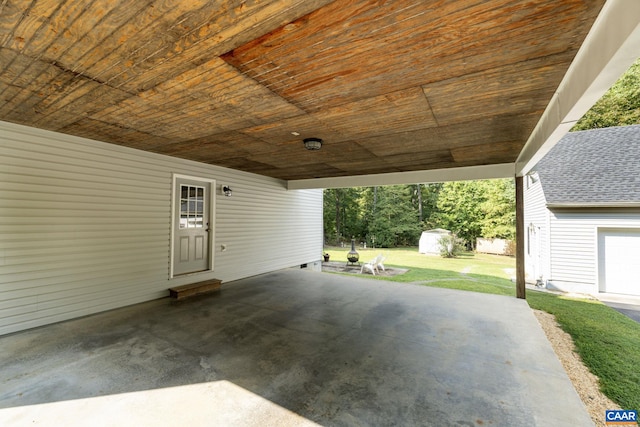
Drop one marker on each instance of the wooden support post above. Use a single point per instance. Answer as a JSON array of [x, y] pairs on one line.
[[520, 285]]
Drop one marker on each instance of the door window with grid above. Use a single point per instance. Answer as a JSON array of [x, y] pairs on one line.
[[191, 206]]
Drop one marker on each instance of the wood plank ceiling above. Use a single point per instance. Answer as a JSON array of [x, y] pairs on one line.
[[390, 86]]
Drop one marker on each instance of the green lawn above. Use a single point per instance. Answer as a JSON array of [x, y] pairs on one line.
[[474, 272], [607, 341]]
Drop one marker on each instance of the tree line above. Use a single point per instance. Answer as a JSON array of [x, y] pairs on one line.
[[396, 215]]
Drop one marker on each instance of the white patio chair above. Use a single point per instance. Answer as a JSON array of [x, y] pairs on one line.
[[372, 266], [379, 262]]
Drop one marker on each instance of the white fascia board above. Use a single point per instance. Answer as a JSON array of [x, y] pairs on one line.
[[576, 205], [503, 170], [612, 45]]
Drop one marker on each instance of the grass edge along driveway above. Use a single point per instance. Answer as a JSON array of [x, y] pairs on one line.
[[607, 341]]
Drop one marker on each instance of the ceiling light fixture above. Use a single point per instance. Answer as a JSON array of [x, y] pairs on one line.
[[312, 143]]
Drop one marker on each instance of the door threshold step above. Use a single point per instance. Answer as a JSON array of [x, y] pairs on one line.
[[184, 291]]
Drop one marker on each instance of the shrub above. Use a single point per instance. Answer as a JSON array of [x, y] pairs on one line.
[[450, 246]]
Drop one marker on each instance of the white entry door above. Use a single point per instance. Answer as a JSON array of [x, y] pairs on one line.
[[619, 261], [192, 219]]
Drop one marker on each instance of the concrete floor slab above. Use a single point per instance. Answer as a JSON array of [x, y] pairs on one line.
[[293, 347]]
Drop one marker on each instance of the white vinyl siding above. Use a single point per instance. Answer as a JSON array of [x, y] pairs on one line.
[[574, 244], [85, 226], [536, 215]]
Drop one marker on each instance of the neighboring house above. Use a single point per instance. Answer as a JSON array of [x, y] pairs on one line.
[[88, 226], [582, 213]]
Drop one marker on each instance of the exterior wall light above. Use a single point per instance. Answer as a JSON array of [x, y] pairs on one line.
[[227, 190]]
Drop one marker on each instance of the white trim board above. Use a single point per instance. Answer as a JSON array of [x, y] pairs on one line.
[[502, 170]]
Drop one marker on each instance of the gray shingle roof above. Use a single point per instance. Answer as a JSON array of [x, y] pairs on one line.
[[599, 167]]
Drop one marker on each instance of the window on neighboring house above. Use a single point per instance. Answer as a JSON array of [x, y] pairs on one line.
[[530, 232]]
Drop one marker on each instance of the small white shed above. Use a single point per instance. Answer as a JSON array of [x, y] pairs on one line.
[[430, 241]]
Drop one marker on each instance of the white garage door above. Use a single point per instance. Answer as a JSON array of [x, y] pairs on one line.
[[619, 261]]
